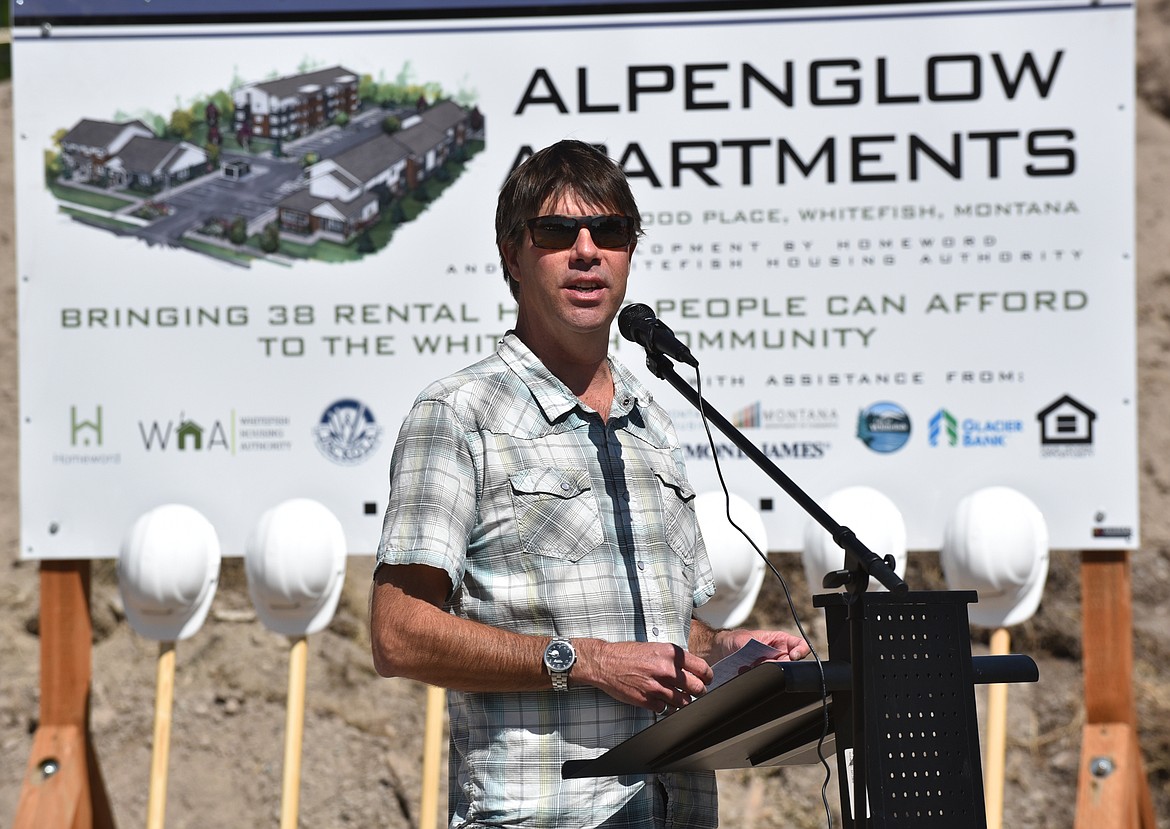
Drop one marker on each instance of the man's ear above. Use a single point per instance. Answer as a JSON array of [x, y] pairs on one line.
[[508, 255]]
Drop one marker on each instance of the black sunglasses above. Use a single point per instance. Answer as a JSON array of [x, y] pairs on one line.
[[560, 232]]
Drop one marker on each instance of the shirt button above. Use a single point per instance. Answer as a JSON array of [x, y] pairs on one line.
[[655, 630], [641, 565], [565, 487]]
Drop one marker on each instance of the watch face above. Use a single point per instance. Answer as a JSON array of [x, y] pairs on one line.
[[559, 656]]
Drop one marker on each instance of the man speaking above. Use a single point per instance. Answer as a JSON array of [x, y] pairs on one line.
[[540, 556]]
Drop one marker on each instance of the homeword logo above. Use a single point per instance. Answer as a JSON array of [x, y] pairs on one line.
[[85, 432], [947, 430], [86, 436]]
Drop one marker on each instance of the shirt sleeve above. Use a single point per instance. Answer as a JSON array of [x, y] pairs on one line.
[[432, 503]]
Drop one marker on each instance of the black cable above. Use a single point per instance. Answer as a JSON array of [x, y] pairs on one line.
[[825, 728]]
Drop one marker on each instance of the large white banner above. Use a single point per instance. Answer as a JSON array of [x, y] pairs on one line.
[[899, 239]]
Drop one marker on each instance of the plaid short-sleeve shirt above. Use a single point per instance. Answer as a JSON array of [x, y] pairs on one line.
[[551, 522]]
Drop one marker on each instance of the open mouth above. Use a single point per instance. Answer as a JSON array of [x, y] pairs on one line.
[[584, 287]]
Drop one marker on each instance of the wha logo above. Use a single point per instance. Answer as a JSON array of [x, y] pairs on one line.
[[185, 434]]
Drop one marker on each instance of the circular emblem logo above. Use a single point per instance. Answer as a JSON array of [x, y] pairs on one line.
[[347, 433], [883, 427]]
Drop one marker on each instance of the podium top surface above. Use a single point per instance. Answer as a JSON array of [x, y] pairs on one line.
[[775, 714], [771, 715]]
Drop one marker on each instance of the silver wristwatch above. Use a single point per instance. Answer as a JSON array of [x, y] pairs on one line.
[[559, 657]]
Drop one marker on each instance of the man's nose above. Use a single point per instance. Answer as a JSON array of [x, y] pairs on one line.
[[584, 246]]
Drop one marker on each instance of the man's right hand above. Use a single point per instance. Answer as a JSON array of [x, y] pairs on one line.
[[656, 676]]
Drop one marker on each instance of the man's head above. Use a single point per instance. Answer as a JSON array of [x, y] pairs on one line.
[[565, 169]]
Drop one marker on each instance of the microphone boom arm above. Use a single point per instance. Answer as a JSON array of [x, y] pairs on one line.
[[861, 562]]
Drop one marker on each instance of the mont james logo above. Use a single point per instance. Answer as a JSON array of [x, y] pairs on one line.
[[347, 433]]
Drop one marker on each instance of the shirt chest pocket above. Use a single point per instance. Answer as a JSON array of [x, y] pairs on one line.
[[678, 513], [556, 512]]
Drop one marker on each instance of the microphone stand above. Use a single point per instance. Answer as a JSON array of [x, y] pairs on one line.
[[861, 564]]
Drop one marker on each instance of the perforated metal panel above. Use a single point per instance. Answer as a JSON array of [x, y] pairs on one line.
[[921, 734]]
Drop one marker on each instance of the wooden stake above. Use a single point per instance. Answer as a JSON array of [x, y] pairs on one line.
[[428, 812], [294, 732], [63, 786], [996, 754], [1112, 787], [164, 697]]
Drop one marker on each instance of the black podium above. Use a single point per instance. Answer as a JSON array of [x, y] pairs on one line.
[[895, 702]]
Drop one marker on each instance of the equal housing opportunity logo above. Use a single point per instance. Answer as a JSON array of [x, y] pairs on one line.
[[1066, 429]]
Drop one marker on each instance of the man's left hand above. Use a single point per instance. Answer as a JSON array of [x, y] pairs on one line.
[[727, 642]]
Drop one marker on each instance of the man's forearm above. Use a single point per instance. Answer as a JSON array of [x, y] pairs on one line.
[[702, 640], [412, 636]]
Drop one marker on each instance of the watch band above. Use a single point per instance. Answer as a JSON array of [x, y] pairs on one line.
[[560, 681]]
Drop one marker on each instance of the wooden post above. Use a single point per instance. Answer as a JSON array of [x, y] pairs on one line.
[[432, 754], [63, 786], [294, 732], [160, 751], [1113, 791], [996, 756]]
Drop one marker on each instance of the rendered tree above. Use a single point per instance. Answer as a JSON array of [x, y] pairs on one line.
[[238, 233], [270, 238]]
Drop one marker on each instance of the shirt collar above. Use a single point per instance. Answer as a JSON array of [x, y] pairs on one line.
[[553, 396]]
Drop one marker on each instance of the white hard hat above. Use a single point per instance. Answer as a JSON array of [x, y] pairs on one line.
[[295, 561], [996, 542], [168, 569], [736, 566], [875, 520]]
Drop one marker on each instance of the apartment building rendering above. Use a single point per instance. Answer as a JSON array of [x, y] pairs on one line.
[[124, 154], [296, 171], [346, 193], [295, 105]]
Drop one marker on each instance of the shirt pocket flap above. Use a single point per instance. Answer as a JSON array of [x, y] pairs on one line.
[[674, 481], [557, 483]]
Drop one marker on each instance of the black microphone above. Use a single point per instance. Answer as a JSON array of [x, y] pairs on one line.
[[638, 324]]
